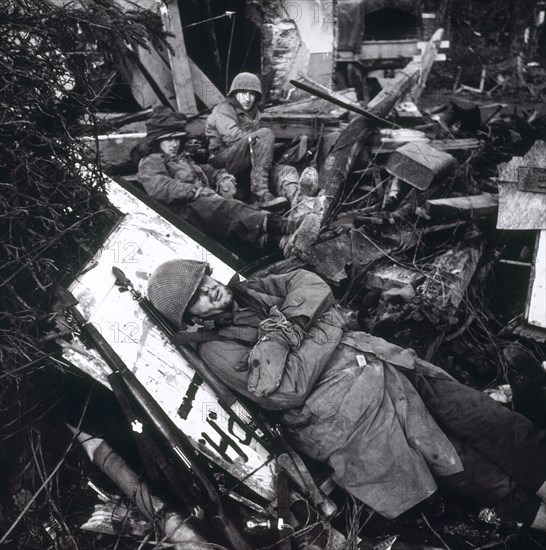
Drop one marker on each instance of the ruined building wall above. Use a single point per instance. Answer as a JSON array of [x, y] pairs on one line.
[[297, 35]]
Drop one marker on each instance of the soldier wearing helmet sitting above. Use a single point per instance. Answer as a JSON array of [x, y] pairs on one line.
[[236, 142]]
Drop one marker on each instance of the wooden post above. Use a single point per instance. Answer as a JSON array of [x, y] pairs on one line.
[[149, 78], [180, 66]]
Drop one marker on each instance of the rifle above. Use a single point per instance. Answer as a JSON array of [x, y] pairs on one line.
[[267, 435], [193, 478], [226, 398]]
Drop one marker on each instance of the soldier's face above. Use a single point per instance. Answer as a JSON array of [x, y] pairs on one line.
[[170, 146], [210, 298], [246, 98]]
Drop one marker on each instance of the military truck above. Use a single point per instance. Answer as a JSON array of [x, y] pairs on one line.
[[377, 37]]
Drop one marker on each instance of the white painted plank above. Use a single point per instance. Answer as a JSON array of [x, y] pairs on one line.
[[139, 243], [536, 305]]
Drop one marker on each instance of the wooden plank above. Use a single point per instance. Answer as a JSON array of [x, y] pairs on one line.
[[149, 78], [180, 66], [309, 118], [429, 54], [138, 244], [389, 144], [203, 87], [463, 207], [456, 144]]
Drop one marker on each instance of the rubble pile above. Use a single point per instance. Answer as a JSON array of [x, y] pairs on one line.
[[411, 241]]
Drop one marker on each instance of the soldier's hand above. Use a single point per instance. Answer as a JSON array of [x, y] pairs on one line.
[[207, 192], [227, 187]]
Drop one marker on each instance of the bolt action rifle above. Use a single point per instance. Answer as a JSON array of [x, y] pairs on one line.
[[199, 495], [269, 436]]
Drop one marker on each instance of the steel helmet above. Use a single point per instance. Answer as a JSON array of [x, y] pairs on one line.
[[172, 286], [246, 82]]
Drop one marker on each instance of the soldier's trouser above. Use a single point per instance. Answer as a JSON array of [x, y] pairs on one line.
[[503, 453], [236, 157], [220, 217], [283, 180]]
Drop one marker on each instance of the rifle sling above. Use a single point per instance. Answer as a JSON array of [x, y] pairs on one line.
[[283, 511], [244, 335]]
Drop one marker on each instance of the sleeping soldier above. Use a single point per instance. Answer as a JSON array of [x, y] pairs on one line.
[[393, 427]]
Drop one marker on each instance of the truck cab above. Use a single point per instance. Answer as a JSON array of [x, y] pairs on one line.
[[377, 37]]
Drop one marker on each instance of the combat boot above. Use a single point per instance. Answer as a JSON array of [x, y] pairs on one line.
[[260, 196]]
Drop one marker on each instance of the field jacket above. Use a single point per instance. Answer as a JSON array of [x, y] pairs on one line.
[[178, 179], [343, 397], [229, 123]]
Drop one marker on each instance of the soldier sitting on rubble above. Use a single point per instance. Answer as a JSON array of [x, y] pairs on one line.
[[393, 427], [203, 195], [236, 142]]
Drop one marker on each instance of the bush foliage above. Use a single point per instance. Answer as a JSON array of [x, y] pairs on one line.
[[56, 63]]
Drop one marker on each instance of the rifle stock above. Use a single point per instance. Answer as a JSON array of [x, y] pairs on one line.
[[181, 448]]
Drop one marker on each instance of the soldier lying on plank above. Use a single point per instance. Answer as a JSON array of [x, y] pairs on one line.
[[393, 427]]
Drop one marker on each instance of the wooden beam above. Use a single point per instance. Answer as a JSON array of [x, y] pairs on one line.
[[463, 207], [352, 140], [180, 65], [389, 144], [419, 164], [149, 77], [448, 283], [203, 87], [535, 312]]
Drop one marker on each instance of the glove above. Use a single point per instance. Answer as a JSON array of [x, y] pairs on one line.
[[266, 366], [206, 192], [267, 359], [227, 186]]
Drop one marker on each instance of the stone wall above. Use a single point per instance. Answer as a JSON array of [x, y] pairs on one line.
[[297, 36]]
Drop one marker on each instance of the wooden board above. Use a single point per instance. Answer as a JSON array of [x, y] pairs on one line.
[[463, 207], [180, 66], [137, 245], [522, 209]]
